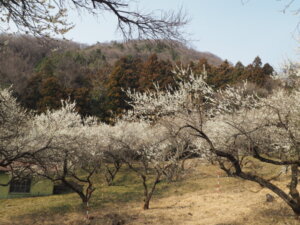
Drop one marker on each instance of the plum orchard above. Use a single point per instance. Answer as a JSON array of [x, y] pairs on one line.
[[232, 124], [58, 145], [61, 146], [164, 127], [151, 151]]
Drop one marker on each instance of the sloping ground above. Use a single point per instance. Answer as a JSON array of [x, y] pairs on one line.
[[197, 199], [231, 208]]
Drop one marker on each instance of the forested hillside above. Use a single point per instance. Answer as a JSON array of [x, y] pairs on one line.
[[94, 76]]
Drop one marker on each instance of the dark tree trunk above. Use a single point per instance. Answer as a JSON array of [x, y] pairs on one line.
[[292, 199], [111, 173], [289, 199], [146, 203], [293, 189], [148, 195], [227, 170]]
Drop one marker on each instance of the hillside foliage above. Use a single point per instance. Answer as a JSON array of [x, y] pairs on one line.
[[95, 76]]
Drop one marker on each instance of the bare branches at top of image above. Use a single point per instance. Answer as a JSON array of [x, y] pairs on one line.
[[47, 18]]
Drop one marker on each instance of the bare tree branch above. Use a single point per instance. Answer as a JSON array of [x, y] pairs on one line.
[[45, 18]]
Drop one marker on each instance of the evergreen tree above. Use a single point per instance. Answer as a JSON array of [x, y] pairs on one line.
[[156, 71], [125, 75]]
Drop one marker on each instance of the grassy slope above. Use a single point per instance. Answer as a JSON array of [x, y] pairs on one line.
[[193, 200]]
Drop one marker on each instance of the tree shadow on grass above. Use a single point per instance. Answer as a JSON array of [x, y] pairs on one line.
[[275, 213]]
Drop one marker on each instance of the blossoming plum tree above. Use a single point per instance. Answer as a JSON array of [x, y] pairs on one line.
[[148, 150], [58, 145], [18, 141], [75, 151], [232, 124]]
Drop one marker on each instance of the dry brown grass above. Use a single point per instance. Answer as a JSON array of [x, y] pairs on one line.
[[194, 200]]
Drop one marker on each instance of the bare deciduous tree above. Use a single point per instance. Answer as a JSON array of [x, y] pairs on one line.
[[43, 18]]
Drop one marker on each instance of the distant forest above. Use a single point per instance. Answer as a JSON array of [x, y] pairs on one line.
[[95, 76]]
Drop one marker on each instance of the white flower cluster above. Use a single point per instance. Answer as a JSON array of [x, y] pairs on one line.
[[191, 90], [161, 127], [233, 119]]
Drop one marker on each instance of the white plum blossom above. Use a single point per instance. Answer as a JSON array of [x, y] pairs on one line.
[[16, 141], [231, 124], [190, 91]]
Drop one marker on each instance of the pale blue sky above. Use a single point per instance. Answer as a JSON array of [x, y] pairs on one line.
[[228, 28]]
